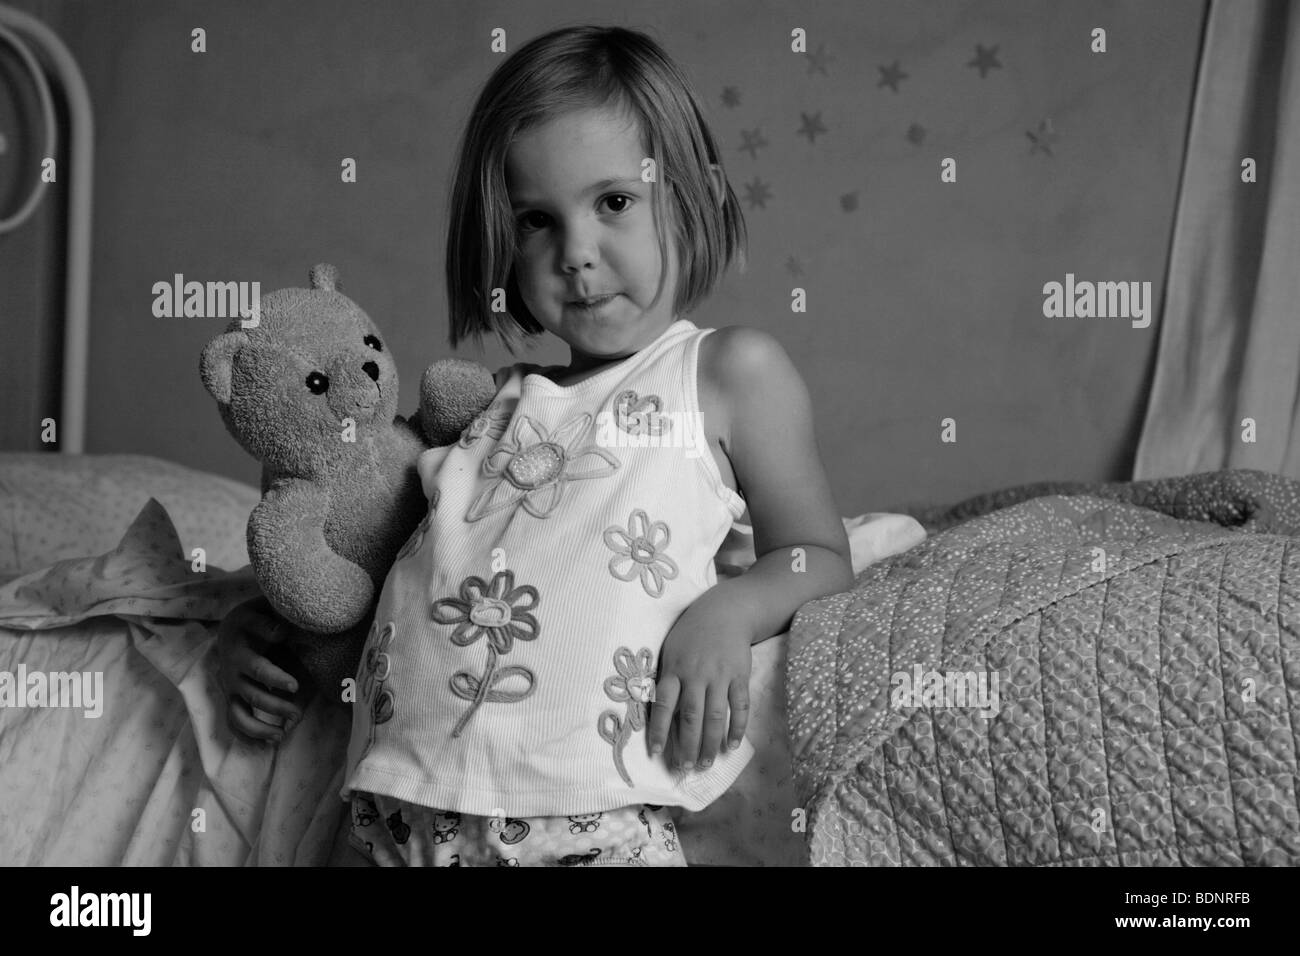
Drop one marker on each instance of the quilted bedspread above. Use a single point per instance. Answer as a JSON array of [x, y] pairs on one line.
[[1138, 646]]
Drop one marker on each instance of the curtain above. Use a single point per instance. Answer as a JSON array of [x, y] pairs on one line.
[[1229, 346]]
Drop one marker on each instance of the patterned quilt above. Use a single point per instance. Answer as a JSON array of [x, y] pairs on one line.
[[1105, 677]]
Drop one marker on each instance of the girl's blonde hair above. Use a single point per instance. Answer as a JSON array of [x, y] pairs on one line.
[[572, 68]]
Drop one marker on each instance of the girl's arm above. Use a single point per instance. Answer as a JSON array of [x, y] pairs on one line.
[[799, 538]]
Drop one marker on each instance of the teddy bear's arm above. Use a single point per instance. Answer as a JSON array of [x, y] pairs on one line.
[[306, 581]]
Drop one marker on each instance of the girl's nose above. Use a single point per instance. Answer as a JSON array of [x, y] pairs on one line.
[[579, 250]]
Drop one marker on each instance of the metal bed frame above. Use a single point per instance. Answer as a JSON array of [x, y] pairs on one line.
[[17, 30]]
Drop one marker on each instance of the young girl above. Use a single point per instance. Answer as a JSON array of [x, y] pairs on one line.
[[553, 661]]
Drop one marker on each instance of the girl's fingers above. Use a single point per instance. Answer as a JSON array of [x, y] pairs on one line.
[[690, 725], [241, 720], [715, 724], [261, 669], [661, 714], [263, 699], [738, 697]]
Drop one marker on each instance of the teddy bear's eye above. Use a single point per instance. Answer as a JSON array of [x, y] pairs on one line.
[[374, 343], [318, 383]]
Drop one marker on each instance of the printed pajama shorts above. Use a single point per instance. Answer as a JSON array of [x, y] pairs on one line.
[[390, 832]]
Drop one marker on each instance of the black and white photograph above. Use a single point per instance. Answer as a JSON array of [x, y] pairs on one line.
[[657, 433]]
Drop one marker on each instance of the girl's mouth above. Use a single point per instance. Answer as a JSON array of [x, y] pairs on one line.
[[593, 305]]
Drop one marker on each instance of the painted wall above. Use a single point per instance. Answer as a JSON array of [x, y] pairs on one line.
[[925, 298]]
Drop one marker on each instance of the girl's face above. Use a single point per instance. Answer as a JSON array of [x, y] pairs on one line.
[[585, 228]]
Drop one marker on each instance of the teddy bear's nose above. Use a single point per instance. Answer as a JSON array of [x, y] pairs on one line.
[[371, 369]]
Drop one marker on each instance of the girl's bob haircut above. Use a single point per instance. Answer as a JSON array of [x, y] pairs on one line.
[[573, 68]]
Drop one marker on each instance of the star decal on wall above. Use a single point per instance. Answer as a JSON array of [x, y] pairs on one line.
[[817, 61], [916, 134], [1042, 138], [849, 202], [891, 76], [812, 125], [730, 97], [757, 194], [985, 60], [753, 142]]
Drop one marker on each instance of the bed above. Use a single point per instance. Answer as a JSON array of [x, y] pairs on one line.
[[1144, 636]]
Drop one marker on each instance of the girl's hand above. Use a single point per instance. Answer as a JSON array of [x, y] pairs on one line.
[[703, 668], [249, 678]]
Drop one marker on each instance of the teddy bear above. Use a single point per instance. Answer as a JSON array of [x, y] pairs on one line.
[[309, 388]]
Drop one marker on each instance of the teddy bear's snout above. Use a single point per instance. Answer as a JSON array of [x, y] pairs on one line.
[[356, 388]]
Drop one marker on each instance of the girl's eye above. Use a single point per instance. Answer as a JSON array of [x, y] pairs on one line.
[[525, 219], [528, 219], [373, 342]]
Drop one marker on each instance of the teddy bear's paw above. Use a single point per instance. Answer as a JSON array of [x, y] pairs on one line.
[[452, 393]]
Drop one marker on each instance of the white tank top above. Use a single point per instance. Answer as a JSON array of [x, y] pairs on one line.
[[516, 640]]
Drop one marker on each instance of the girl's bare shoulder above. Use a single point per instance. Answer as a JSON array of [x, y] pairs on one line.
[[736, 363], [733, 363]]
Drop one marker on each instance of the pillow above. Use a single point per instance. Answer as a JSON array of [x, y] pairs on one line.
[[877, 535], [872, 537], [55, 506]]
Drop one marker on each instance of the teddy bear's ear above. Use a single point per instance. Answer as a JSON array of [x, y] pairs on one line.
[[216, 362], [325, 276]]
